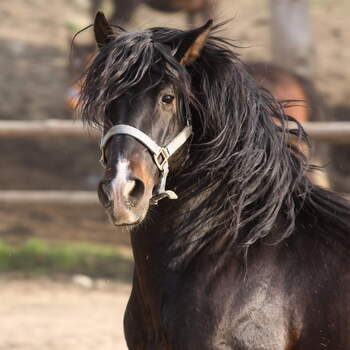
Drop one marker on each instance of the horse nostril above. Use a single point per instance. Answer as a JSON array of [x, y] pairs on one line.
[[104, 194], [134, 190]]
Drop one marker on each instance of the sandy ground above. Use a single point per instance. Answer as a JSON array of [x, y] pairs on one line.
[[52, 315]]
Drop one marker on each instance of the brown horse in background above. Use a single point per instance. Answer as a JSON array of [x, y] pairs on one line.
[[308, 105], [123, 10], [79, 60]]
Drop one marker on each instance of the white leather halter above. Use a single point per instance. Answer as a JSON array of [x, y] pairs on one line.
[[160, 154]]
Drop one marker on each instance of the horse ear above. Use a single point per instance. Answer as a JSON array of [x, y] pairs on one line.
[[192, 43], [103, 31]]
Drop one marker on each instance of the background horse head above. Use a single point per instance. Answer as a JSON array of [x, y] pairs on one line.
[[305, 104], [287, 85]]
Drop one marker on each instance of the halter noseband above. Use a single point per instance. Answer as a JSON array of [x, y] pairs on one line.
[[160, 154]]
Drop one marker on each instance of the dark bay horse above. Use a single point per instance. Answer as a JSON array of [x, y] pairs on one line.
[[242, 250], [124, 9]]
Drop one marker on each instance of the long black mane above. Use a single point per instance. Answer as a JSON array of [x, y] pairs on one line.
[[247, 177]]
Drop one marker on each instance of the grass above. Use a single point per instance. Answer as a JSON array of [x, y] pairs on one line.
[[39, 257]]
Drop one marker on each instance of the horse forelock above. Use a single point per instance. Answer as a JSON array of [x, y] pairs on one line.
[[125, 62]]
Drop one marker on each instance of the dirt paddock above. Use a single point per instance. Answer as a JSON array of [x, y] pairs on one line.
[[42, 314]]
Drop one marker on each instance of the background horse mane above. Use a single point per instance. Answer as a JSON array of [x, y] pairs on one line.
[[244, 181]]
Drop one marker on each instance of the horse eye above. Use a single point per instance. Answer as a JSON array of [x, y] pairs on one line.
[[167, 99]]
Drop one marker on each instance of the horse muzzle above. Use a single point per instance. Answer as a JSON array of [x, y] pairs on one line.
[[126, 195]]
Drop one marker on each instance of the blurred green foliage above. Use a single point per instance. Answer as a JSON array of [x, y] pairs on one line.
[[39, 257]]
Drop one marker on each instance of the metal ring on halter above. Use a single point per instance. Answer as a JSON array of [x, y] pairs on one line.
[[160, 154], [161, 158]]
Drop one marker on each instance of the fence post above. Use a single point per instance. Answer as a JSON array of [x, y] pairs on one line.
[[291, 39]]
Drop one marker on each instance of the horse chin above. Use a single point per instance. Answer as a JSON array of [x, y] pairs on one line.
[[130, 222], [127, 227], [117, 223]]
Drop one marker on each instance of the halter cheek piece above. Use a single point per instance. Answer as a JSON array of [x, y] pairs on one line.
[[160, 154]]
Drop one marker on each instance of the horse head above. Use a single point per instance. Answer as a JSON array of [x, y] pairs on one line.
[[135, 87]]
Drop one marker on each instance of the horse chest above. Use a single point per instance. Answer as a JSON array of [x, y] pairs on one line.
[[254, 324], [223, 318]]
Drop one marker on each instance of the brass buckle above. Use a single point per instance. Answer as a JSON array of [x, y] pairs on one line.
[[161, 158]]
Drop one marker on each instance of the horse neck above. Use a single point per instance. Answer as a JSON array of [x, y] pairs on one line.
[[153, 240]]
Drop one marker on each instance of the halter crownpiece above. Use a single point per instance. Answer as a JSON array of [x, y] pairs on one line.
[[160, 154]]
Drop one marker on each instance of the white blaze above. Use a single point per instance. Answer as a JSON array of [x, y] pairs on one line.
[[121, 178], [121, 184]]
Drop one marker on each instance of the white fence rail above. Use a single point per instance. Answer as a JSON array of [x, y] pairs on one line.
[[49, 197], [56, 197], [49, 127], [331, 132]]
